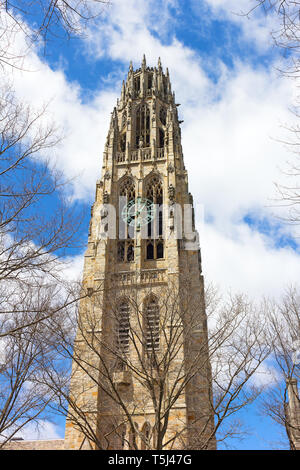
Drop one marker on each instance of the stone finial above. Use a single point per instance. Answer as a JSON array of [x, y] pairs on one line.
[[144, 62], [123, 91], [130, 67], [159, 64], [113, 118]]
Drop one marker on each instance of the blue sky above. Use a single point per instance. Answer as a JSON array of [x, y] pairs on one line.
[[223, 69]]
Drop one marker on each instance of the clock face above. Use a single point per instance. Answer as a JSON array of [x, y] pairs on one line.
[[140, 211]]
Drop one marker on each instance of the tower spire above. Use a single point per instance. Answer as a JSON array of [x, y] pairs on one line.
[[144, 62]]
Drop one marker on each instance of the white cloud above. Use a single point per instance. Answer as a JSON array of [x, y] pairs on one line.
[[254, 23], [84, 125], [265, 376], [231, 155], [245, 261], [44, 430], [74, 268]]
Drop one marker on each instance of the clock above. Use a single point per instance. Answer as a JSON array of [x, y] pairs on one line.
[[140, 211]]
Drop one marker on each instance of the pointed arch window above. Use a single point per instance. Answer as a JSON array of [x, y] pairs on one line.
[[133, 436], [159, 250], [130, 251], [150, 250], [123, 142], [126, 246], [142, 130], [163, 115], [127, 189], [155, 243], [161, 138]]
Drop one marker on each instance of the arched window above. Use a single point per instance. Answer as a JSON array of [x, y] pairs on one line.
[[155, 244], [127, 189], [122, 333], [125, 248], [163, 115], [130, 251], [161, 138], [142, 129], [160, 250], [150, 250], [151, 325], [123, 142], [132, 435]]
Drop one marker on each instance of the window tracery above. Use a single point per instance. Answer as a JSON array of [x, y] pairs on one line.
[[123, 142], [155, 244], [142, 129], [125, 246], [163, 115]]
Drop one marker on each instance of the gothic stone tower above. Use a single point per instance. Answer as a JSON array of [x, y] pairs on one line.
[[141, 372]]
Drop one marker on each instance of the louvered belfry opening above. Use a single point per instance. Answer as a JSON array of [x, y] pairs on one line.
[[152, 326], [123, 326]]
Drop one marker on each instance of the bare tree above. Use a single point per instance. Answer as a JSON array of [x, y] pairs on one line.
[[146, 357], [286, 38], [286, 33], [37, 226], [40, 21], [32, 247], [33, 241], [22, 356], [281, 401]]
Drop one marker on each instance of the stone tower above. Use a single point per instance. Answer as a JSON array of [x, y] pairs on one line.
[[141, 374]]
